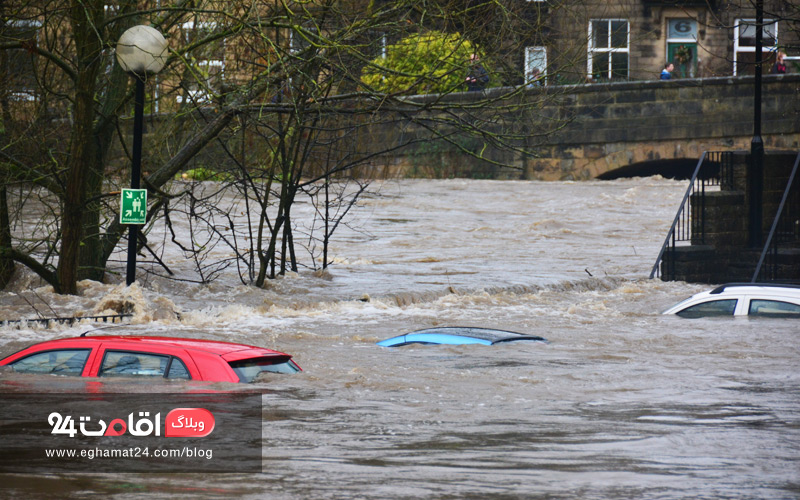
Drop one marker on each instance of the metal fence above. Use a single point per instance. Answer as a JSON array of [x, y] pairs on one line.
[[713, 169], [106, 318], [785, 230]]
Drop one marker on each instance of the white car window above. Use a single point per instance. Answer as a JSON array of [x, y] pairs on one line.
[[774, 308], [725, 307]]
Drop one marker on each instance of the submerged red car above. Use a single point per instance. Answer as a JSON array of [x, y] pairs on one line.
[[164, 357]]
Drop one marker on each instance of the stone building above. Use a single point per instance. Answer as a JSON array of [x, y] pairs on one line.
[[602, 40], [552, 42]]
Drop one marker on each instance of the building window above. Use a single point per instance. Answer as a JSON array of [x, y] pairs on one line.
[[300, 42], [205, 65], [744, 45], [609, 41], [375, 45], [682, 46], [535, 65], [20, 66]]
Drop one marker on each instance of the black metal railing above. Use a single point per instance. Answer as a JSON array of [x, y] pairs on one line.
[[714, 168], [106, 318], [784, 230]]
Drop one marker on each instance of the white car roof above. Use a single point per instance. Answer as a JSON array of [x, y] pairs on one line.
[[760, 288], [734, 290]]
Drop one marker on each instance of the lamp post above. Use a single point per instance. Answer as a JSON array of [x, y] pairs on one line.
[[757, 144], [141, 51]]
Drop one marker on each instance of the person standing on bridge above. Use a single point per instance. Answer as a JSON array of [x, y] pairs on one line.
[[666, 73], [477, 78], [779, 67]]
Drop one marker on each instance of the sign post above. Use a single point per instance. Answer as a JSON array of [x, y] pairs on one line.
[[133, 212], [133, 206]]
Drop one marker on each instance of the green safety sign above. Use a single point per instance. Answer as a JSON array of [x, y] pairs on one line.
[[133, 206]]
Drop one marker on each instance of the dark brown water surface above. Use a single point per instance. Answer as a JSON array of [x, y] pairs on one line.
[[621, 403]]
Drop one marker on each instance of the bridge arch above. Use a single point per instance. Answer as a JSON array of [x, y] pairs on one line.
[[636, 126], [678, 168]]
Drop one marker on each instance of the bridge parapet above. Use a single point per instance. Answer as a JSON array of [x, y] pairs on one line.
[[628, 123], [614, 125]]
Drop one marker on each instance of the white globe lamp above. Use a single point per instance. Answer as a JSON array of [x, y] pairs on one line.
[[142, 50]]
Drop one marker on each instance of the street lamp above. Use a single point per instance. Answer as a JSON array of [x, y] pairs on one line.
[[141, 51], [757, 143]]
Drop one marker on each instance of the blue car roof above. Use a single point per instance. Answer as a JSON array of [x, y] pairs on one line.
[[457, 335]]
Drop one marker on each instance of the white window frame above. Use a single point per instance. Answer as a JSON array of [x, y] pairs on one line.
[[687, 39], [737, 48], [293, 47], [35, 25], [201, 95], [530, 60], [609, 50]]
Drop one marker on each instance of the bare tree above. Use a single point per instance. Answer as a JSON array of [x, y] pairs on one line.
[[283, 77]]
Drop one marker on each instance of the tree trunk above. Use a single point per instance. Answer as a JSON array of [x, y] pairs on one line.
[[84, 17], [6, 264], [92, 259]]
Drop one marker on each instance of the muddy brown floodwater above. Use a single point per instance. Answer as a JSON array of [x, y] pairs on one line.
[[621, 403]]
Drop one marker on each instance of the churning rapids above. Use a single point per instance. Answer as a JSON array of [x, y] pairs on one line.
[[621, 403]]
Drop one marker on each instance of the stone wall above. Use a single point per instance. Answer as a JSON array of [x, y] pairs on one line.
[[604, 127], [596, 129]]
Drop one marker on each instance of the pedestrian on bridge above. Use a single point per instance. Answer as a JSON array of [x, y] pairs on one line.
[[477, 78], [779, 67], [666, 73]]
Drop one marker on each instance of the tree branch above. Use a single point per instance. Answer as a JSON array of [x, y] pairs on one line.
[[26, 260]]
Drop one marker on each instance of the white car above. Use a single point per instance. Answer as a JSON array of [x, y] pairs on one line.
[[742, 299]]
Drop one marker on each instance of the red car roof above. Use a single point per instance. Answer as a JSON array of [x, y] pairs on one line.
[[210, 346]]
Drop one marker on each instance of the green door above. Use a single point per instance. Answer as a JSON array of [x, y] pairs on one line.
[[684, 56]]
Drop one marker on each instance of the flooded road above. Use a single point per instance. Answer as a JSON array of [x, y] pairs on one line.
[[620, 403]]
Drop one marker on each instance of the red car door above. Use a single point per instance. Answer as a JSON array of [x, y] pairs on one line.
[[118, 348]]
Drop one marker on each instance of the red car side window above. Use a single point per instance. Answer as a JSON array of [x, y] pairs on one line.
[[178, 370], [59, 362], [142, 364], [133, 364]]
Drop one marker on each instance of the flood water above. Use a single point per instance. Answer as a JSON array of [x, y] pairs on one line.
[[621, 403]]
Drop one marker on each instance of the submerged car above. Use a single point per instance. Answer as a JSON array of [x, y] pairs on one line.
[[742, 299], [156, 357], [457, 335]]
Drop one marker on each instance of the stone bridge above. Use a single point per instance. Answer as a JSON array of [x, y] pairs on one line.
[[630, 128]]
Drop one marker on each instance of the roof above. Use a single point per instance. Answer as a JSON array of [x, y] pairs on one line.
[[758, 286], [458, 335], [211, 346]]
